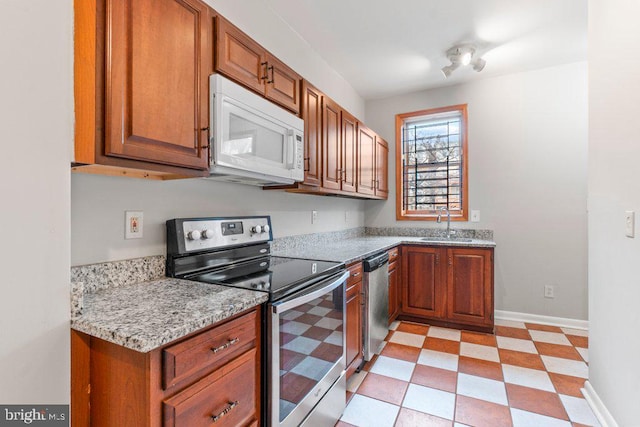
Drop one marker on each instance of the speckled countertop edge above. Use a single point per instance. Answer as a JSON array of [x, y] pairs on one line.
[[351, 250], [147, 315]]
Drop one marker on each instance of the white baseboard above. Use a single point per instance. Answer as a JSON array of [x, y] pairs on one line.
[[597, 406], [562, 322]]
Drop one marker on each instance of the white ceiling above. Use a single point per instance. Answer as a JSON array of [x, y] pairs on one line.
[[383, 48]]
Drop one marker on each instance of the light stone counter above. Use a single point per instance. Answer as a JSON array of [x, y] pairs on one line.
[[353, 249], [145, 316]]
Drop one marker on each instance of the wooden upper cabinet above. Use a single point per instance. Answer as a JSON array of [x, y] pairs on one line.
[[382, 168], [339, 133], [158, 59], [331, 145], [312, 116], [282, 84], [242, 59], [470, 286], [349, 159], [238, 56], [141, 79], [366, 161]]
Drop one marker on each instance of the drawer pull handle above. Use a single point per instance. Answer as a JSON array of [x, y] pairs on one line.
[[225, 346], [356, 274], [225, 411]]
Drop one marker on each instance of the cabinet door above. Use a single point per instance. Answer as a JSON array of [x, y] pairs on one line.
[[394, 289], [158, 59], [312, 116], [366, 160], [331, 146], [239, 57], [354, 327], [470, 286], [382, 168], [423, 285], [282, 84], [349, 146]]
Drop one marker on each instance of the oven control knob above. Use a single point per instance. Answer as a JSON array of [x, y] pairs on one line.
[[194, 235], [207, 234], [266, 228], [256, 229]]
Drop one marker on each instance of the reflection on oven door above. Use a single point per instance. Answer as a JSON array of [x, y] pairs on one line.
[[310, 355]]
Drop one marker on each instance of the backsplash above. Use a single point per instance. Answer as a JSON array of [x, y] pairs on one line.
[[304, 240], [428, 232], [90, 278]]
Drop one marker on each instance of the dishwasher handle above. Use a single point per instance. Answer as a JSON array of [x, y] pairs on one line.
[[375, 262]]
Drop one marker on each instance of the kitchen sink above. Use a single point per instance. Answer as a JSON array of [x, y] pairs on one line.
[[447, 239]]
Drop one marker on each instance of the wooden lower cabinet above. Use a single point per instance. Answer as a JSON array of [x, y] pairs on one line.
[[219, 398], [423, 292], [448, 286], [394, 283], [353, 328], [470, 286], [211, 377]]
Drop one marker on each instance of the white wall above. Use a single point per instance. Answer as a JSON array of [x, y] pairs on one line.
[[256, 19], [614, 187], [98, 205], [36, 122], [527, 176]]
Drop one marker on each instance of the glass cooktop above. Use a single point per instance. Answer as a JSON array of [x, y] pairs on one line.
[[275, 275]]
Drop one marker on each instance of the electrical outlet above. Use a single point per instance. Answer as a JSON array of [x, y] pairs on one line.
[[548, 291], [133, 222], [475, 216], [314, 217], [346, 216]]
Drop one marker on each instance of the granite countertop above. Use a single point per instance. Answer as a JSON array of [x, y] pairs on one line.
[[145, 316], [355, 249]]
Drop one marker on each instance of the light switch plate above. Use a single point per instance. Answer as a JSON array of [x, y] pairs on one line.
[[475, 216], [629, 223], [133, 221]]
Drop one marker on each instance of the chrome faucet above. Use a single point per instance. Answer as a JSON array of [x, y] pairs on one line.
[[439, 220]]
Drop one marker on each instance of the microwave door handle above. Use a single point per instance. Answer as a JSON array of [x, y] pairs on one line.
[[291, 149]]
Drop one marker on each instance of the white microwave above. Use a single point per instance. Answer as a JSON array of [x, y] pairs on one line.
[[252, 140]]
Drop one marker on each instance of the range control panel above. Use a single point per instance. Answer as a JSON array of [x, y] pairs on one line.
[[201, 234]]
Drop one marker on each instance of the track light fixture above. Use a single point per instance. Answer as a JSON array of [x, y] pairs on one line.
[[462, 55]]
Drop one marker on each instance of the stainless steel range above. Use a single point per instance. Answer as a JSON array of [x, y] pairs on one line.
[[304, 357]]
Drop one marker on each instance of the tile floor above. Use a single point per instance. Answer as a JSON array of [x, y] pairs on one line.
[[525, 375]]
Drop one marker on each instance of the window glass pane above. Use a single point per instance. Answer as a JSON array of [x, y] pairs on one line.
[[432, 161]]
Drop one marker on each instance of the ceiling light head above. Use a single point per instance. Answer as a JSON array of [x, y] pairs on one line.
[[446, 71], [478, 64], [461, 54]]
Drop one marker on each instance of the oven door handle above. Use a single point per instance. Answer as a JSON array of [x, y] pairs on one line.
[[310, 293]]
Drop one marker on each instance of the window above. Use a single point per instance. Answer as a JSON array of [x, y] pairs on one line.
[[431, 163]]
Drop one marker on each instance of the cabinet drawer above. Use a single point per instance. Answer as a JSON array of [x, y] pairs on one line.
[[393, 255], [208, 350], [226, 397], [355, 273]]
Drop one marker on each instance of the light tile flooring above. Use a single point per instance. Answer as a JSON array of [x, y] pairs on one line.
[[526, 375]]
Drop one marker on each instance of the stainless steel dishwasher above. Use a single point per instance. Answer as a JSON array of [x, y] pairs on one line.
[[376, 303]]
